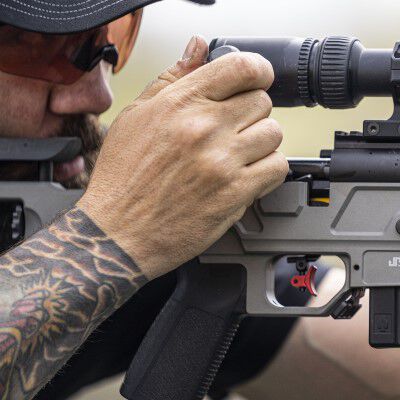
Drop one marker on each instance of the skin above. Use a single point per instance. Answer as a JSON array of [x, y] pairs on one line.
[[50, 308], [179, 166], [33, 108]]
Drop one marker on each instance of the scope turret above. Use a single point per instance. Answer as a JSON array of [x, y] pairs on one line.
[[336, 72]]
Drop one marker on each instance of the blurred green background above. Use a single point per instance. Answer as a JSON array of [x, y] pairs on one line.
[[168, 26]]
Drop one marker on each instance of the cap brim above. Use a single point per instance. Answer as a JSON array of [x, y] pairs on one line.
[[66, 16]]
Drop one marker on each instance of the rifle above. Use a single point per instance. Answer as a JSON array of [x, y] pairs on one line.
[[25, 207], [352, 192], [345, 203]]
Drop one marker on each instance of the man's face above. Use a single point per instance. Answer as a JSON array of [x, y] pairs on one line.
[[32, 108]]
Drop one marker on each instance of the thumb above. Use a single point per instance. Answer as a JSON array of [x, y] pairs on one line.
[[195, 56]]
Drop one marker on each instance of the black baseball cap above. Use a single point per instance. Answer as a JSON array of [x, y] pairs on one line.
[[68, 16]]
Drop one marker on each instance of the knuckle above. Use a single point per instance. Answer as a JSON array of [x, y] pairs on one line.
[[167, 76], [263, 101], [247, 66], [255, 67], [195, 130], [216, 166], [274, 132], [281, 166], [268, 71]]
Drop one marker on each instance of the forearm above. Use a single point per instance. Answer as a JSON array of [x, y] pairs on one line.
[[54, 290]]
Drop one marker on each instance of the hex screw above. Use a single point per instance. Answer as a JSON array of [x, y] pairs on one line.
[[373, 128]]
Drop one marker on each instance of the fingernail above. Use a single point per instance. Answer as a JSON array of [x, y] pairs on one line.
[[190, 49]]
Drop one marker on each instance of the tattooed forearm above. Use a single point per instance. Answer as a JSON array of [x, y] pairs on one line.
[[55, 289]]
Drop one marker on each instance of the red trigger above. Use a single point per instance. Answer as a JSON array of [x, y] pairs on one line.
[[306, 281]]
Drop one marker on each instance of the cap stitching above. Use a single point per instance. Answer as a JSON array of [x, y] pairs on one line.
[[60, 12], [59, 18], [61, 5]]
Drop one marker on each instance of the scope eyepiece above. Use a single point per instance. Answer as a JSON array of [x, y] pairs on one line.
[[336, 72]]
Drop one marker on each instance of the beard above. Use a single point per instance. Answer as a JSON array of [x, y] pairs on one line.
[[91, 133], [88, 129]]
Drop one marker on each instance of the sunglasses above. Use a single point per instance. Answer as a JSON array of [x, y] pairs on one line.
[[63, 59]]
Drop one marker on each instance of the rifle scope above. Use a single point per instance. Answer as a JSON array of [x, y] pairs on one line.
[[336, 72]]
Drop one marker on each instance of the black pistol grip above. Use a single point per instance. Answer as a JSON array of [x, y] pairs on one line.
[[183, 350]]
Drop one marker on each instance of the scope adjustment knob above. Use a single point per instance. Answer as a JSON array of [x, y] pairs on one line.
[[303, 79], [334, 76]]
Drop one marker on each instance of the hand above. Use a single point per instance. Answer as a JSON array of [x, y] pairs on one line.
[[182, 163]]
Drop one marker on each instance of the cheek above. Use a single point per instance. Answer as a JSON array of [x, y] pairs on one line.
[[23, 105]]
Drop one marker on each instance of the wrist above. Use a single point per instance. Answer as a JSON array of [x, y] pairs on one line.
[[107, 218], [91, 249]]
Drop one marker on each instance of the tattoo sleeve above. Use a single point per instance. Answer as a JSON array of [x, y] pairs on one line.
[[55, 288]]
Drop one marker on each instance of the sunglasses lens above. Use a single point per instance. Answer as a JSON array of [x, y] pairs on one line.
[[123, 34], [54, 57], [37, 56]]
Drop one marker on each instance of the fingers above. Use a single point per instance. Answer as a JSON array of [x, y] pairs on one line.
[[194, 57], [243, 110], [229, 75], [259, 141], [267, 174]]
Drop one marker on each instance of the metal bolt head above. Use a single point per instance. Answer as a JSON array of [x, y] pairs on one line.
[[373, 128]]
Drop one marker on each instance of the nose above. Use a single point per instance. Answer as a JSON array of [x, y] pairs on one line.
[[91, 94]]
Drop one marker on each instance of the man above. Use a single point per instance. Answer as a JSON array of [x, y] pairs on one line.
[[178, 167]]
